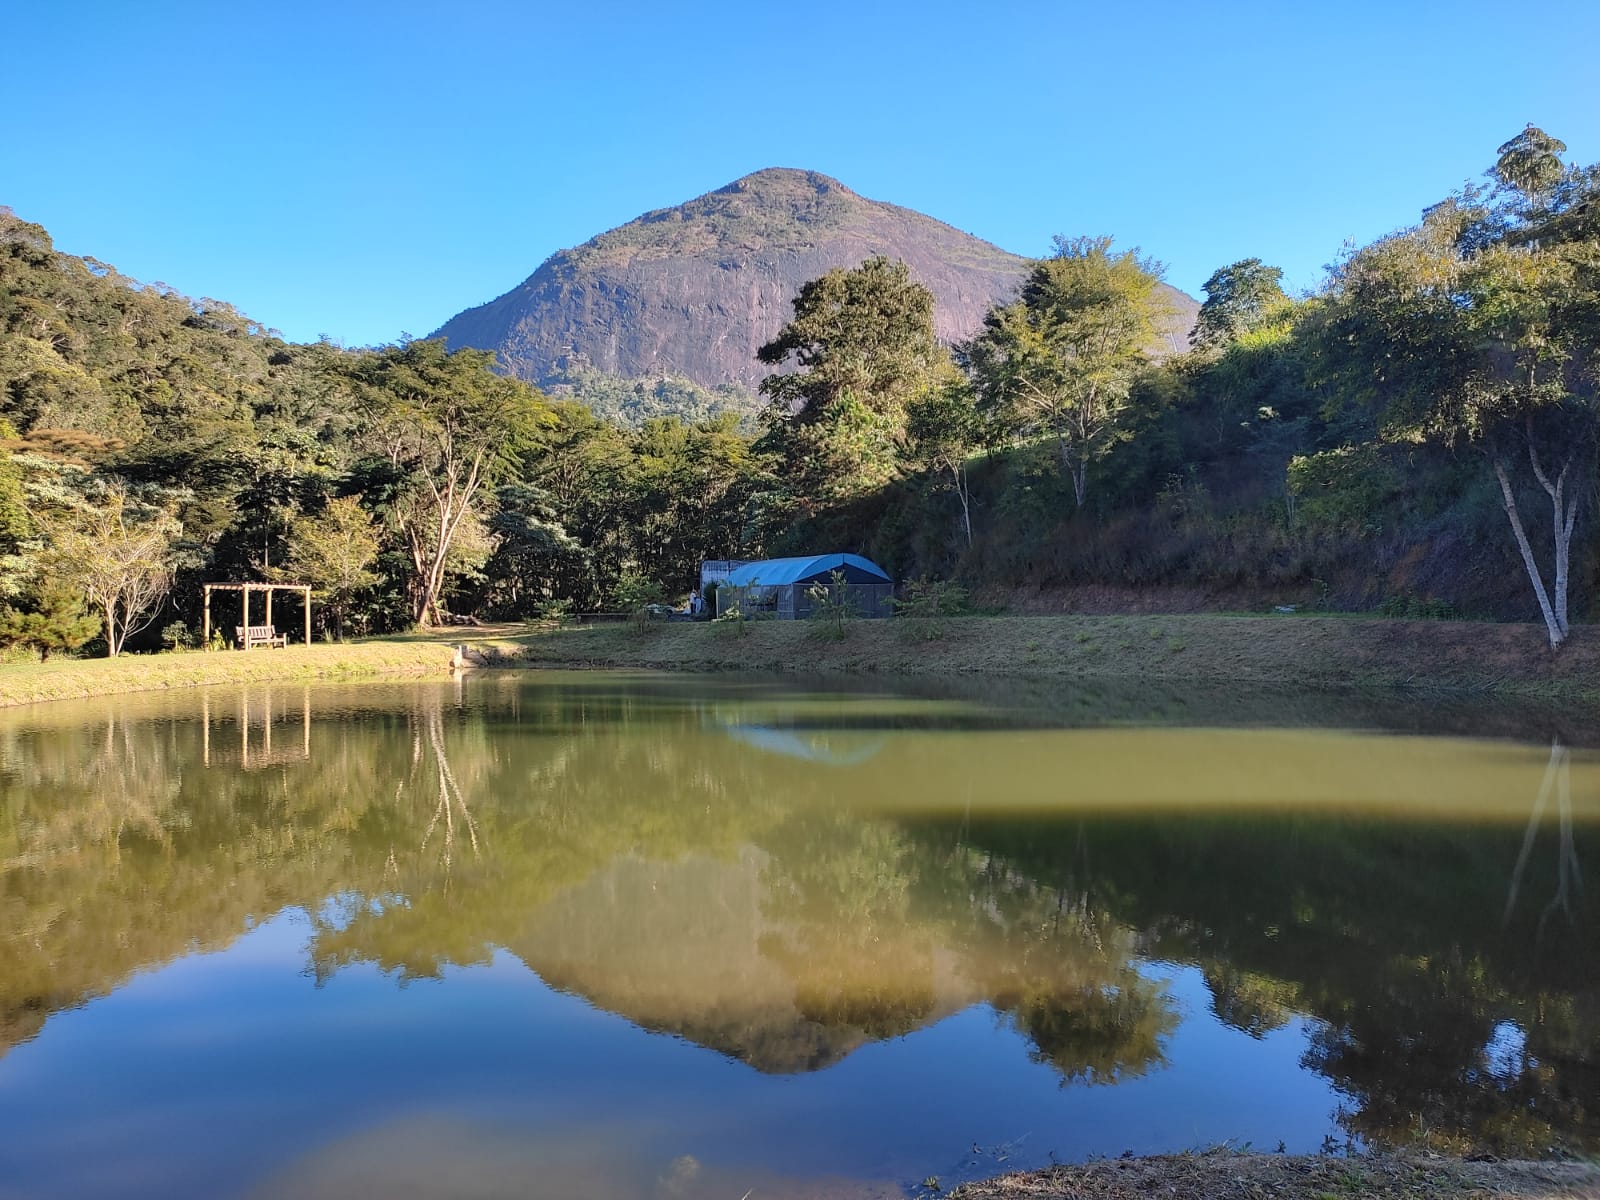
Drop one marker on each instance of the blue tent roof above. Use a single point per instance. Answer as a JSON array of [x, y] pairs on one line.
[[776, 571]]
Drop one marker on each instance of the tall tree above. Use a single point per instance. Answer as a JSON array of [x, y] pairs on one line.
[[944, 429], [691, 490], [866, 332], [531, 542], [450, 427], [1530, 163], [862, 344], [1470, 329], [1061, 360]]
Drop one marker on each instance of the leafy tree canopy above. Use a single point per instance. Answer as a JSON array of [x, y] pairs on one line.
[[1239, 298]]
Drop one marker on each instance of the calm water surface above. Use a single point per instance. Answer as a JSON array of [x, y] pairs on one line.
[[622, 936]]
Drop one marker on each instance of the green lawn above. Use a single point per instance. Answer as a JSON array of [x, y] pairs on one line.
[[75, 678]]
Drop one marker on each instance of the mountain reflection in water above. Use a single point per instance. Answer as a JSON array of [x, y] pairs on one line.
[[1376, 937]]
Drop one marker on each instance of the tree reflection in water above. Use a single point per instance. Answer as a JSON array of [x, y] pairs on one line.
[[785, 914]]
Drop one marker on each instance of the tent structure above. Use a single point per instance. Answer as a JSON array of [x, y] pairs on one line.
[[253, 633], [780, 587]]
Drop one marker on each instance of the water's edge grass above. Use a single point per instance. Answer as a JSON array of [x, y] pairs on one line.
[[76, 679]]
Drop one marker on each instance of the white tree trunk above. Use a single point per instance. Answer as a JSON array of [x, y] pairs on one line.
[[963, 493], [113, 643], [1557, 631], [1563, 518]]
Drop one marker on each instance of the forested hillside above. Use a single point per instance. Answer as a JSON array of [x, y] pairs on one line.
[[152, 442], [1416, 437]]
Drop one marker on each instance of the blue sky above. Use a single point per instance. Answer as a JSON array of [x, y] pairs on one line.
[[362, 169]]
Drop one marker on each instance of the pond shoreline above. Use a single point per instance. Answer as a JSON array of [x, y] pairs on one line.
[[1227, 1175], [1313, 653], [86, 678]]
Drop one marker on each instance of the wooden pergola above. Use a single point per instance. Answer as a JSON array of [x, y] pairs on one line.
[[247, 588]]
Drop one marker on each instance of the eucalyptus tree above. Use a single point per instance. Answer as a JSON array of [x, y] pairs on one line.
[[450, 429], [1481, 327], [1061, 360]]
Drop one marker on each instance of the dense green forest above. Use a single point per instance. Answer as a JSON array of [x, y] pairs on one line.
[[1416, 437]]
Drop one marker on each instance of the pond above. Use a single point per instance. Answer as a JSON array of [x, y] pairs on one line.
[[530, 934]]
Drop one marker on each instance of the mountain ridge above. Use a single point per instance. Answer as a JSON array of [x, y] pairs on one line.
[[693, 290]]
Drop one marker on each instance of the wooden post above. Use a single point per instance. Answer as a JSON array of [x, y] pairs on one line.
[[205, 622], [245, 640], [307, 592], [305, 721], [268, 621], [205, 736]]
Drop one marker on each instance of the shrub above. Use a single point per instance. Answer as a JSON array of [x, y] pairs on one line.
[[59, 623], [1411, 608], [925, 605], [926, 598], [554, 611], [733, 620], [832, 606], [177, 636], [1349, 490], [634, 590]]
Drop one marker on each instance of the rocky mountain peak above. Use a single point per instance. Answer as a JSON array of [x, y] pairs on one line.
[[694, 290]]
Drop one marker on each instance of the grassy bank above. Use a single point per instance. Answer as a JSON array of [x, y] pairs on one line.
[[1223, 1175], [1285, 651], [65, 678]]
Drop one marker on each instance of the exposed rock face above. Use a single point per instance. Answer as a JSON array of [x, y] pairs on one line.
[[696, 290]]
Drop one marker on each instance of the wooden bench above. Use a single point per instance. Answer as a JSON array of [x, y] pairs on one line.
[[259, 635]]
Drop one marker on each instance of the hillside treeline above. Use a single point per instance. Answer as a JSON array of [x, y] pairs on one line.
[[152, 442], [1417, 437]]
